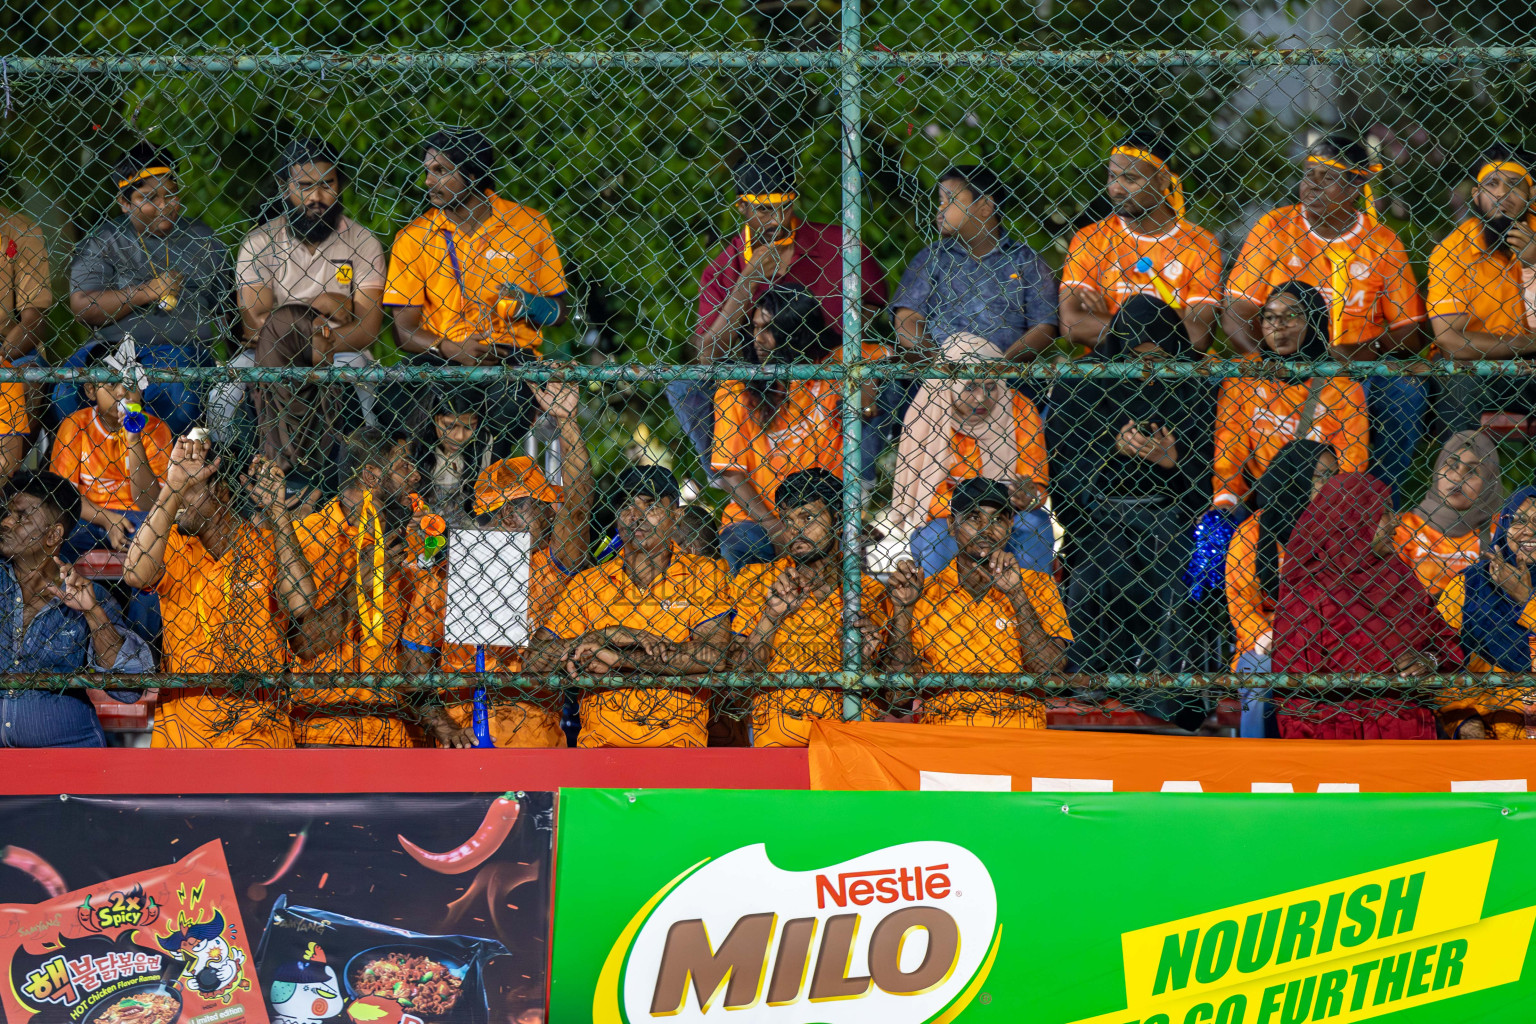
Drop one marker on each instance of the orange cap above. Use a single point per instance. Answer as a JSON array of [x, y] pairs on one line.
[[508, 479]]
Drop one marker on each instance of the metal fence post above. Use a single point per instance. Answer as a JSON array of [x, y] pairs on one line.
[[853, 337]]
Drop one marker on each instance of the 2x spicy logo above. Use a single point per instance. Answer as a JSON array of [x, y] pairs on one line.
[[119, 909]]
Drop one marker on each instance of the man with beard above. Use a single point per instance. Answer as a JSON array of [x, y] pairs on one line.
[[652, 610], [1482, 290], [236, 594], [789, 613], [473, 282], [54, 620], [1145, 247], [980, 614], [155, 275], [311, 285], [363, 592]]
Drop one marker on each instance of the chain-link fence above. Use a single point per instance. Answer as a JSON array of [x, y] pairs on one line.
[[678, 373]]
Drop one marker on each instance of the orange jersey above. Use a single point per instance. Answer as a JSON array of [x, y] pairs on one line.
[[806, 433], [1465, 279], [1435, 558], [1256, 417], [1111, 259], [1383, 293], [221, 616], [457, 279], [965, 459], [1503, 709], [329, 543], [1253, 614], [692, 592], [517, 724], [951, 632], [808, 640], [95, 459]]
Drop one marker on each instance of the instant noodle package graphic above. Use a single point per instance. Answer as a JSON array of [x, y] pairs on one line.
[[153, 947], [912, 908]]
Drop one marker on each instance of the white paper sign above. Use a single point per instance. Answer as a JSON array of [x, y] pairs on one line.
[[487, 588]]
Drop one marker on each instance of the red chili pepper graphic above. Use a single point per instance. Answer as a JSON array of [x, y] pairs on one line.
[[10, 248], [39, 869], [293, 855], [499, 819]]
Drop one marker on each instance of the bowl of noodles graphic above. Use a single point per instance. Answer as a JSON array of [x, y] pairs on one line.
[[421, 980], [147, 1003]]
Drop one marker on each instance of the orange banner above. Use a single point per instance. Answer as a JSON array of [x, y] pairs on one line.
[[854, 755]]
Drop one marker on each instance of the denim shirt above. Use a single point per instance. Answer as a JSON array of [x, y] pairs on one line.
[[999, 297], [58, 639]]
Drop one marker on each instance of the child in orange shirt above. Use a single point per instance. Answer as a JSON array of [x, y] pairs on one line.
[[115, 457], [1441, 536]]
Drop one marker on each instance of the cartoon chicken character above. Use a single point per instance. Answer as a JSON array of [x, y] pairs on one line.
[[305, 991], [209, 963]]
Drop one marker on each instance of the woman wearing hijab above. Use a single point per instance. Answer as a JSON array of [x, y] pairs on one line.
[[1276, 503], [1489, 605], [1442, 535], [991, 430], [1130, 461], [1257, 416], [1348, 604]]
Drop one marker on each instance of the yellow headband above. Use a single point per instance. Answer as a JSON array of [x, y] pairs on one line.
[[1503, 165], [1365, 188], [148, 172], [1175, 191], [771, 199]]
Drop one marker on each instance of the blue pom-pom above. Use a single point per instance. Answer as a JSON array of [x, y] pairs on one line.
[[1207, 572]]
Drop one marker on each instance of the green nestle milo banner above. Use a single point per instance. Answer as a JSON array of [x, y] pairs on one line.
[[906, 908]]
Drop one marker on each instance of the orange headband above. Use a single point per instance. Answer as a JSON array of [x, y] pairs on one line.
[[1175, 191], [148, 172], [1365, 188], [771, 199], [1503, 165]]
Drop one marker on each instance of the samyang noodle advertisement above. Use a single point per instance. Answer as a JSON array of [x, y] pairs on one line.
[[416, 908]]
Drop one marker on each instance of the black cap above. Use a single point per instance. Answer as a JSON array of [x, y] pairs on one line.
[[470, 151], [765, 174], [978, 180], [977, 492], [1499, 153], [308, 151], [645, 482], [141, 160], [1148, 139], [801, 488]]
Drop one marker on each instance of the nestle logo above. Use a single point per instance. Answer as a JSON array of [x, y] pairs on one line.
[[885, 885]]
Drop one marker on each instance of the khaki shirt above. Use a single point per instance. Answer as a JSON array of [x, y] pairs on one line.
[[272, 256], [23, 264]]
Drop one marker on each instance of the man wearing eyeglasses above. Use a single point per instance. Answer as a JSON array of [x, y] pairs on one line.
[[775, 245]]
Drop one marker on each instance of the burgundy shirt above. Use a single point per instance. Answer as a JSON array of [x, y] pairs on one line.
[[818, 266]]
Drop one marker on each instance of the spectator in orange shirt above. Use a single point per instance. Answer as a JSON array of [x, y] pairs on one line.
[[1257, 416], [356, 547], [474, 282], [652, 610], [512, 495], [1442, 536], [1278, 498], [767, 429], [789, 613], [232, 586], [1146, 247], [117, 470], [1333, 241], [981, 614], [1482, 290]]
